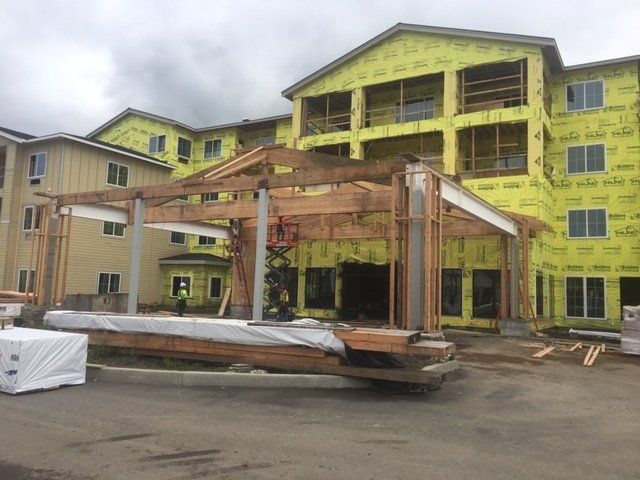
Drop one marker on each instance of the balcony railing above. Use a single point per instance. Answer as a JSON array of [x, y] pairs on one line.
[[412, 110], [329, 124], [514, 163]]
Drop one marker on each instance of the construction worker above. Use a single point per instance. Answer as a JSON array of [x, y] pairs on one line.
[[283, 310], [183, 295]]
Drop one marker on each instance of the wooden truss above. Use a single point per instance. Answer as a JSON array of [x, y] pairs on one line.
[[404, 201]]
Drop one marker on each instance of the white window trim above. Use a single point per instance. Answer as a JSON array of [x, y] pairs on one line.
[[174, 243], [178, 148], [606, 217], [124, 232], [209, 201], [46, 164], [566, 103], [204, 153], [221, 286], [566, 156], [119, 165], [158, 151], [584, 295], [108, 273], [181, 276], [33, 270], [33, 217]]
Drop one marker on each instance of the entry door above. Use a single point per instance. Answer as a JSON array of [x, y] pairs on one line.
[[629, 291]]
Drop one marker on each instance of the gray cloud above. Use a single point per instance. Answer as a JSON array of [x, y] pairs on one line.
[[71, 65]]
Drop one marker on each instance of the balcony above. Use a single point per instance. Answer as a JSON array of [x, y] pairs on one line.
[[492, 151], [328, 113], [489, 87], [428, 148], [404, 101]]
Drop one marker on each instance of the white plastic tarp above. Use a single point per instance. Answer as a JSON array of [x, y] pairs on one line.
[[10, 309], [223, 331], [33, 359]]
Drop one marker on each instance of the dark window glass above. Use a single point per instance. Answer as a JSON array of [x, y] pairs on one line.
[[108, 283], [486, 293], [595, 298], [175, 284], [539, 295], [452, 292], [575, 297], [184, 147], [215, 287], [205, 241], [179, 238], [320, 291]]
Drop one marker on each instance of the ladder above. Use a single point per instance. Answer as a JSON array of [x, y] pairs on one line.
[[238, 268]]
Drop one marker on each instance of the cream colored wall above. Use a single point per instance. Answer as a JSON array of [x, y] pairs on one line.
[[84, 168], [10, 207]]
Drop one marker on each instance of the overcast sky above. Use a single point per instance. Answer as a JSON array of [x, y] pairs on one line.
[[72, 65]]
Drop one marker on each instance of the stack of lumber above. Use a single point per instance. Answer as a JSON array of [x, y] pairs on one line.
[[297, 358], [7, 296], [630, 339]]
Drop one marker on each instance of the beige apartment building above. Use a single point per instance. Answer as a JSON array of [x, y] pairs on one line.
[[100, 249]]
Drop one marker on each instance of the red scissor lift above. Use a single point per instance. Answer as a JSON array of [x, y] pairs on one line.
[[281, 237]]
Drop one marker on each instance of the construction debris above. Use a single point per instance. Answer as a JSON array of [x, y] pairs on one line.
[[595, 334], [592, 354], [543, 352], [576, 347]]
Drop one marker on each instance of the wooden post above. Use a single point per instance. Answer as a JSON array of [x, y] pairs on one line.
[[56, 274], [473, 151], [427, 318], [326, 119], [439, 257], [392, 257], [462, 94], [525, 268], [63, 286], [401, 101], [504, 276], [497, 165], [522, 82]]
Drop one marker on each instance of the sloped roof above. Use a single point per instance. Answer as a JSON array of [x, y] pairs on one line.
[[170, 121], [549, 49], [15, 133]]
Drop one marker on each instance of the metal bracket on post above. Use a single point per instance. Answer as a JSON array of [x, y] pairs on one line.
[[136, 255], [261, 252]]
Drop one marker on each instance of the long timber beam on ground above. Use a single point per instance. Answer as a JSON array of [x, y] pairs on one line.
[[317, 176]]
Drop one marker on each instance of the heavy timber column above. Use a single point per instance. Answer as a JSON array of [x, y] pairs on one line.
[[416, 250], [136, 253], [358, 107]]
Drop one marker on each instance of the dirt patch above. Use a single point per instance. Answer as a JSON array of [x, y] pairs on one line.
[[488, 358]]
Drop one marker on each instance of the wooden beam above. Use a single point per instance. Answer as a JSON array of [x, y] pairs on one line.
[[339, 232], [319, 176], [316, 205]]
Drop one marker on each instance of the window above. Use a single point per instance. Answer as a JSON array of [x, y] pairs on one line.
[[206, 241], [586, 159], [2, 169], [108, 282], [539, 295], [486, 293], [175, 284], [117, 175], [215, 287], [415, 109], [113, 229], [184, 148], [452, 292], [178, 238], [552, 297], [587, 223], [212, 149], [22, 280], [28, 221], [266, 140], [585, 96], [157, 144], [37, 165], [320, 291], [256, 194], [183, 198], [208, 197], [585, 297]]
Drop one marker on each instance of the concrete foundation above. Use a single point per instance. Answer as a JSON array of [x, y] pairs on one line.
[[97, 302], [515, 328]]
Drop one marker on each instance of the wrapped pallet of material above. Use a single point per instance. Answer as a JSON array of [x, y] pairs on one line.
[[630, 340], [32, 360]]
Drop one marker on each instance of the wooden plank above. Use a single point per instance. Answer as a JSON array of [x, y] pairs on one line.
[[576, 347], [588, 356], [402, 337], [318, 176], [543, 352], [423, 348], [225, 302], [594, 355], [181, 344]]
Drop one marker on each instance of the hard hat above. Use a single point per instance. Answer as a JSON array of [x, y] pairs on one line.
[[182, 284]]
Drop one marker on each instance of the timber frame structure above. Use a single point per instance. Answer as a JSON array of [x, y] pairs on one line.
[[415, 208]]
